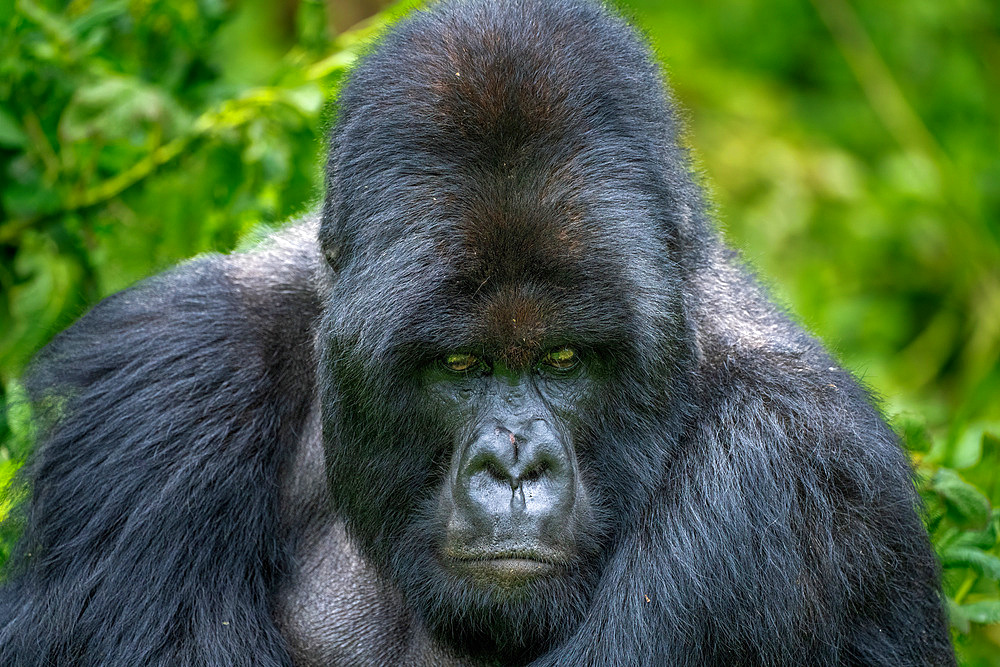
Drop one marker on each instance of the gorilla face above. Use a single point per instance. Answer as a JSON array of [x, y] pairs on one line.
[[501, 399], [513, 519]]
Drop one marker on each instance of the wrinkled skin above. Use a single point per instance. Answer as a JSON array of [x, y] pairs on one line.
[[506, 399]]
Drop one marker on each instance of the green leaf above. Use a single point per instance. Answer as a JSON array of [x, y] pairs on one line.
[[986, 564], [958, 618], [966, 505], [120, 108], [982, 539], [967, 448], [915, 433], [7, 470], [307, 99], [984, 611]]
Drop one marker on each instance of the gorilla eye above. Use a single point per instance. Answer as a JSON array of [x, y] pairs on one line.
[[460, 363], [563, 358]]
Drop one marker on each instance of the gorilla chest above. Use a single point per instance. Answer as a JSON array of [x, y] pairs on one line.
[[335, 611]]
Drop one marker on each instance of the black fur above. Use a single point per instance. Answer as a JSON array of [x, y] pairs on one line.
[[749, 505]]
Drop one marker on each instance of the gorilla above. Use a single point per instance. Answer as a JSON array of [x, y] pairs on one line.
[[505, 399]]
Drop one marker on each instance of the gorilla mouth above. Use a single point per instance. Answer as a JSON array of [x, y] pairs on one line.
[[506, 566]]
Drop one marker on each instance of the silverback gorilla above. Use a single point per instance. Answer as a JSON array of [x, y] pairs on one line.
[[506, 400]]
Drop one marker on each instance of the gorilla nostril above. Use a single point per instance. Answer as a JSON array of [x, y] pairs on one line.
[[534, 473], [495, 471], [488, 464]]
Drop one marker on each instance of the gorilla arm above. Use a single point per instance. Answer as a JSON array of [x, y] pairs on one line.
[[153, 536]]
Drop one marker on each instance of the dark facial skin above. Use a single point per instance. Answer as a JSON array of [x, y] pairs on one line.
[[514, 493]]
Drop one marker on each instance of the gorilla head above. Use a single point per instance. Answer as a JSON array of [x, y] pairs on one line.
[[505, 331]]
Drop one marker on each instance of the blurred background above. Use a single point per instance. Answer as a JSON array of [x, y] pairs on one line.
[[851, 149]]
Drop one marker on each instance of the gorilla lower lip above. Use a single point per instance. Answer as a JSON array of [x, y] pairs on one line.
[[507, 568]]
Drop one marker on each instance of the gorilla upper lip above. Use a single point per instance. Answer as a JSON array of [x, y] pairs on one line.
[[530, 558]]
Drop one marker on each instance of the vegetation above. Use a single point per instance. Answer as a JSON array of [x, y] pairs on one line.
[[851, 149]]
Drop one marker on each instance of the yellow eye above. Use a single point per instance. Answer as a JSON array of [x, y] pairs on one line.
[[563, 358], [460, 363]]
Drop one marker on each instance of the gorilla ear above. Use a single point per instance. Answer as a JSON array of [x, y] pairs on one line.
[[333, 245], [332, 255]]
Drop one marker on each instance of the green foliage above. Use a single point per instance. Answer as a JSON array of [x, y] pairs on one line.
[[964, 525], [964, 531], [851, 148], [137, 133]]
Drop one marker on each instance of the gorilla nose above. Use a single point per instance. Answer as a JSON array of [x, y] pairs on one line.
[[515, 483]]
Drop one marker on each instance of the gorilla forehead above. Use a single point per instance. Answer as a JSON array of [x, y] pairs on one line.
[[506, 263], [492, 298]]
